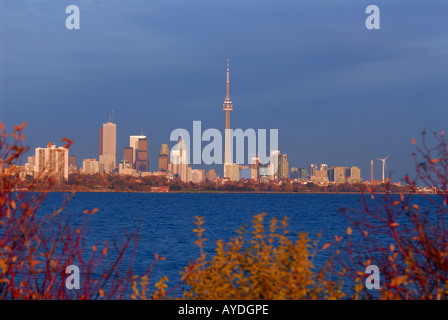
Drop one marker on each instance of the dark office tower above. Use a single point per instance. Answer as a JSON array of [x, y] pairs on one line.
[[101, 142], [128, 154], [294, 173], [72, 161], [313, 169], [254, 168], [141, 157], [72, 164], [164, 157], [283, 167]]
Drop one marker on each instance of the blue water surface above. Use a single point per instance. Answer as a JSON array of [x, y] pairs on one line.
[[166, 220]]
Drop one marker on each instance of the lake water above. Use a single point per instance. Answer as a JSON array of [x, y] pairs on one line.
[[166, 220]]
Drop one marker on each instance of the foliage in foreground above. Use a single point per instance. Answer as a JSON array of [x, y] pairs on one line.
[[263, 265], [36, 248], [408, 243]]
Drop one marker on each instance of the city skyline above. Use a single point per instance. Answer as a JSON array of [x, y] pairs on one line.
[[137, 154], [135, 157], [339, 93]]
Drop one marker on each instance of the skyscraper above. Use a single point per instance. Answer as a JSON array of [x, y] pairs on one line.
[[164, 157], [294, 174], [128, 154], [227, 106], [133, 143], [52, 161], [211, 175], [354, 175], [254, 168], [283, 167], [100, 152], [321, 175], [338, 174], [179, 163], [142, 159], [108, 147], [72, 163], [303, 175], [313, 169]]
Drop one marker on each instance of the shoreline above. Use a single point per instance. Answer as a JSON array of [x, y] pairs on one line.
[[224, 192]]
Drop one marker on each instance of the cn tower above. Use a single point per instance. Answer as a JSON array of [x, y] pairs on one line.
[[227, 106]]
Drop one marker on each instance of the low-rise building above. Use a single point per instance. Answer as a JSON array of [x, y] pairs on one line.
[[90, 166]]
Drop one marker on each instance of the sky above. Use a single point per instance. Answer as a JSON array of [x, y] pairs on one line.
[[338, 93]]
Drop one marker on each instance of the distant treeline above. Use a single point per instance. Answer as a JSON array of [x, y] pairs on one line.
[[120, 183]]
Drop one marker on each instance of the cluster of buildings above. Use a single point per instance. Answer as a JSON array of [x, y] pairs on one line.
[[325, 175], [135, 158], [57, 162]]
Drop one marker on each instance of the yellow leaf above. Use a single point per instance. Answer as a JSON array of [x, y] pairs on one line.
[[416, 207], [13, 204], [326, 246], [395, 203], [101, 292], [413, 141], [391, 247], [395, 224], [3, 266], [349, 231], [398, 280]]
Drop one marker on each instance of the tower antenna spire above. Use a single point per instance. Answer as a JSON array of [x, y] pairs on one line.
[[228, 81]]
